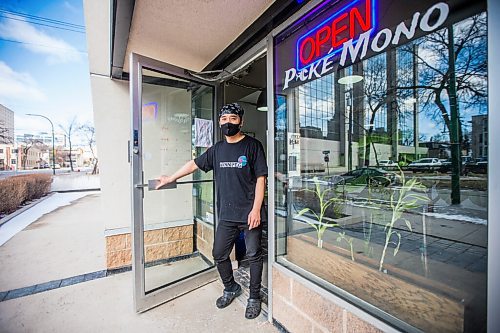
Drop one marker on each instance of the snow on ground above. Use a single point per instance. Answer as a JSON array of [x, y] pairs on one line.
[[460, 218], [21, 221]]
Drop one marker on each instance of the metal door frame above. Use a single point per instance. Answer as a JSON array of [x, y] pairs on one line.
[[143, 301]]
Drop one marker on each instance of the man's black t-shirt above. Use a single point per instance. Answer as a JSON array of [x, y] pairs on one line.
[[236, 167]]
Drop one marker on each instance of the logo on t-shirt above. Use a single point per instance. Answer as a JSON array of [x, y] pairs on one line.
[[242, 161]]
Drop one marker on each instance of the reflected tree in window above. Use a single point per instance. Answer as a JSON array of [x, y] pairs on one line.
[[375, 90], [470, 40]]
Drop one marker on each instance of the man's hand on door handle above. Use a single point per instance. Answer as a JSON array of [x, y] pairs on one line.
[[164, 180], [185, 170]]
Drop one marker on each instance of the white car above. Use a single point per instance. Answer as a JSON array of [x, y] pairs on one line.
[[425, 164], [387, 163]]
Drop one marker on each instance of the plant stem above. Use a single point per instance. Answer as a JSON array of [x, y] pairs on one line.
[[387, 237]]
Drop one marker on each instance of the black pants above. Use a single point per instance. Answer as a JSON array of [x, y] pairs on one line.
[[225, 237]]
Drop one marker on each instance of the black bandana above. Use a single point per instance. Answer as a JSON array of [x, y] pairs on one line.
[[233, 108]]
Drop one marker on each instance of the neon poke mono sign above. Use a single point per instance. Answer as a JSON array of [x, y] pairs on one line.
[[313, 61], [327, 37]]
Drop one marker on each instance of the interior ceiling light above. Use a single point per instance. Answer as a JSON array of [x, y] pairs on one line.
[[350, 79], [262, 101]]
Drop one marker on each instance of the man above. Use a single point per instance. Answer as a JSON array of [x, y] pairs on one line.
[[240, 171]]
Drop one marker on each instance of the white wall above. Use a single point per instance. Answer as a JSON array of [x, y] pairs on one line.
[[97, 24], [110, 101], [111, 107], [311, 153]]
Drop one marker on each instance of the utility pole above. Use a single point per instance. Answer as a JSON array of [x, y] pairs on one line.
[[456, 160], [415, 100]]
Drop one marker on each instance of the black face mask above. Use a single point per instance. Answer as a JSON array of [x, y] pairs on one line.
[[229, 129]]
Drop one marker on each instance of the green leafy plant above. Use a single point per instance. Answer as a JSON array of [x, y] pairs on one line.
[[400, 201], [324, 203], [367, 235], [348, 240]]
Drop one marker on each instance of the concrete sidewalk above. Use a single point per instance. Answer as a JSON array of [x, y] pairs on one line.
[[68, 243], [105, 305]]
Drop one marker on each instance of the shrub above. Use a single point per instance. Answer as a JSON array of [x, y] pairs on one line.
[[14, 191]]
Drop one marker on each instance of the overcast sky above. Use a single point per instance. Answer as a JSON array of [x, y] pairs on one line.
[[43, 63]]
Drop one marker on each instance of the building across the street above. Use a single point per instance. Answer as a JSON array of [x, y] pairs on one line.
[[480, 137], [29, 156], [8, 157], [43, 138], [6, 125], [366, 110]]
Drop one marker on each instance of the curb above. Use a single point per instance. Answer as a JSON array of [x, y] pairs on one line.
[[78, 190], [23, 209]]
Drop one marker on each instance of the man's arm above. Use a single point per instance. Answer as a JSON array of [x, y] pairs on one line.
[[254, 216], [185, 170]]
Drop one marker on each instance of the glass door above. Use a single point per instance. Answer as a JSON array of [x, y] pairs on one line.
[[173, 227]]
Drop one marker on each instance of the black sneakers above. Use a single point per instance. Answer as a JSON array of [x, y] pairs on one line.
[[228, 297]]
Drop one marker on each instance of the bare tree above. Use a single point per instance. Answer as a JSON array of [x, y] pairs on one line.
[[70, 130], [435, 71], [375, 90], [88, 133], [28, 144], [378, 96]]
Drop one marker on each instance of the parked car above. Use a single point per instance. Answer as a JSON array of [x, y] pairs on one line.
[[445, 165], [467, 165], [387, 163], [425, 164], [480, 166], [365, 176]]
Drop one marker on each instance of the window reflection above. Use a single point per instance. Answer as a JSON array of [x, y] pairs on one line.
[[394, 215]]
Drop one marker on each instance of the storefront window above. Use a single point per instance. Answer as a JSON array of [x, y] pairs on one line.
[[202, 138], [381, 158]]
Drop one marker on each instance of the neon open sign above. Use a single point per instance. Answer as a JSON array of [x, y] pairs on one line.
[[326, 38], [351, 31]]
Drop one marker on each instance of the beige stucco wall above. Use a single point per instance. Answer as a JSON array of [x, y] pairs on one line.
[[112, 122], [110, 100], [97, 24]]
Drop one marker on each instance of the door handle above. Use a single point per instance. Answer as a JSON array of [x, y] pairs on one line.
[[151, 185]]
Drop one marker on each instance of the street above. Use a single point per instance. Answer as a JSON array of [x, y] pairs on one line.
[[6, 174]]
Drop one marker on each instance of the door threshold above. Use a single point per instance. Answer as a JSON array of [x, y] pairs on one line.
[[242, 277]]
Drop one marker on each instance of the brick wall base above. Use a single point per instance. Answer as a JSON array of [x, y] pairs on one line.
[[159, 244], [299, 309]]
